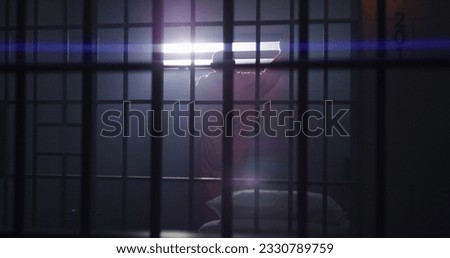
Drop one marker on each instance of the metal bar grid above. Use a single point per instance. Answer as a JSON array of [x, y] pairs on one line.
[[191, 123], [181, 24], [4, 159], [380, 177], [303, 107], [20, 124], [291, 104], [355, 128], [4, 162], [186, 179], [34, 184], [157, 106], [20, 69], [89, 8], [171, 102], [227, 142], [126, 125], [312, 64], [6, 156], [63, 181], [257, 98], [325, 139]]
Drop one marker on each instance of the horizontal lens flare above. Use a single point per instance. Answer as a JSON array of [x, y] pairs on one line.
[[180, 54]]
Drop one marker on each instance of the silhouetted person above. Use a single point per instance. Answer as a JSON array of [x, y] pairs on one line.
[[209, 87]]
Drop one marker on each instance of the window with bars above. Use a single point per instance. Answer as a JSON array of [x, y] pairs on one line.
[[67, 63]]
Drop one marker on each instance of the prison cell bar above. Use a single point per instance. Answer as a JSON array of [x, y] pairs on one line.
[[34, 184], [227, 142], [311, 64], [87, 119], [257, 98], [291, 160], [126, 121], [303, 107], [191, 122], [6, 157], [63, 180], [380, 177], [380, 117], [157, 106], [325, 139], [20, 123]]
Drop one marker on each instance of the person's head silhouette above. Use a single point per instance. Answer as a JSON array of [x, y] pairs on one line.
[[217, 60]]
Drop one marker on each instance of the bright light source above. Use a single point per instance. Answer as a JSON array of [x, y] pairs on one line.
[[252, 61], [186, 62], [180, 48], [188, 48], [183, 48]]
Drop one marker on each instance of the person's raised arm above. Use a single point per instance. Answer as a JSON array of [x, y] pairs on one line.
[[270, 77]]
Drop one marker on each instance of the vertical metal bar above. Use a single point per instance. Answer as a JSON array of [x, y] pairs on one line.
[[87, 120], [6, 141], [63, 179], [3, 158], [291, 107], [157, 106], [380, 218], [325, 139], [126, 124], [3, 134], [228, 95], [355, 115], [303, 106], [34, 184], [20, 123], [191, 124], [257, 98]]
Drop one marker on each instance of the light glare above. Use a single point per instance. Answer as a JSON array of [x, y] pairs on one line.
[[188, 48]]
